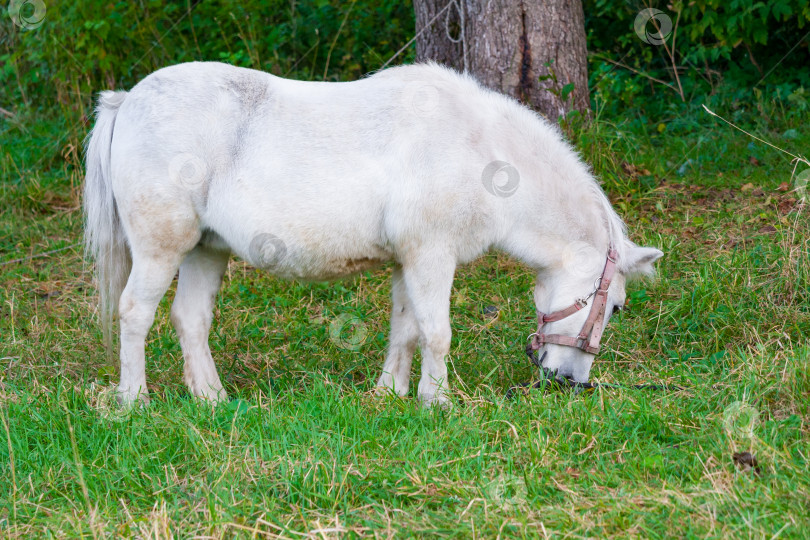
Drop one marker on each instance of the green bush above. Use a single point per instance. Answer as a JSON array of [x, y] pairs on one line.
[[743, 56], [86, 46], [723, 51]]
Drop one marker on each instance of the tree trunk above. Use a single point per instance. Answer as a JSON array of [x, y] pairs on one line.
[[510, 46]]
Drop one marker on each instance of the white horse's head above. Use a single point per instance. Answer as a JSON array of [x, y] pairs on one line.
[[569, 293]]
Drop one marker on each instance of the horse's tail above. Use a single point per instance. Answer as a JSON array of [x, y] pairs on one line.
[[104, 237]]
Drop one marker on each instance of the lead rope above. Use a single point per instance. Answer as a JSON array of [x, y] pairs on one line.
[[461, 39]]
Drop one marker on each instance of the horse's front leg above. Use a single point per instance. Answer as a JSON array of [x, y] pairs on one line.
[[402, 340], [428, 281]]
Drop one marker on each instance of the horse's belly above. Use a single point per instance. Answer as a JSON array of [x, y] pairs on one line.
[[341, 267], [294, 260], [299, 239]]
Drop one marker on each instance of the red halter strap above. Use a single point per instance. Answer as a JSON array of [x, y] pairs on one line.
[[591, 333]]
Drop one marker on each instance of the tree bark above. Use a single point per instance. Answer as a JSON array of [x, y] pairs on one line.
[[510, 45]]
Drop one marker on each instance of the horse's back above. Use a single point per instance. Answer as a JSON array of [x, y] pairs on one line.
[[340, 172]]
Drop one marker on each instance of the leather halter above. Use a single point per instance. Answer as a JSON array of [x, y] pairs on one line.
[[591, 334]]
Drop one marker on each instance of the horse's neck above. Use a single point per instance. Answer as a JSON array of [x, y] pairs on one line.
[[560, 219], [562, 205]]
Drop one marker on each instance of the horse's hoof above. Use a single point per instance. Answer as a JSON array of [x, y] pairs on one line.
[[129, 398], [440, 401], [384, 390], [211, 394]]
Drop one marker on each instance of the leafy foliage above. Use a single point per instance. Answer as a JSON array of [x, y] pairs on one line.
[[730, 52], [721, 50], [87, 46]]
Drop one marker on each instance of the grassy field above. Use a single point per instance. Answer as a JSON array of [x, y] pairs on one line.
[[304, 450]]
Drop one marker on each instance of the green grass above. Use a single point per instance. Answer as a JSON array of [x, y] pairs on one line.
[[304, 448]]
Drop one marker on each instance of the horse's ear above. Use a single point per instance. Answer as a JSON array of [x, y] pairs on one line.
[[638, 261]]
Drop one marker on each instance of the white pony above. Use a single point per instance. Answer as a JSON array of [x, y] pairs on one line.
[[418, 165]]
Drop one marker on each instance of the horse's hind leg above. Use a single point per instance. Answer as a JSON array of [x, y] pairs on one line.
[[192, 313], [161, 230], [402, 341], [151, 275]]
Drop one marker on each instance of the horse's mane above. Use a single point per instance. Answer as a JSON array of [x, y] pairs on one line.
[[617, 230], [536, 123]]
